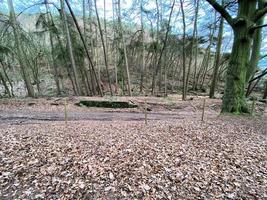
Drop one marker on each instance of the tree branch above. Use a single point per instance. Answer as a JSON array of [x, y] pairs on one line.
[[264, 56], [260, 13], [253, 28], [222, 11], [264, 72]]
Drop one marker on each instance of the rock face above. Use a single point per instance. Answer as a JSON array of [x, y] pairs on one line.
[[106, 104]]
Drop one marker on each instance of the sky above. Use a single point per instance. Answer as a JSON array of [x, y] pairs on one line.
[[131, 14]]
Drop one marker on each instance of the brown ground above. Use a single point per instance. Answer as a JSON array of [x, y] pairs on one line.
[[37, 111], [112, 154]]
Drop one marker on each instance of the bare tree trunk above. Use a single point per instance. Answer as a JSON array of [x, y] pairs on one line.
[[143, 49], [8, 79], [165, 41], [155, 70], [85, 47], [115, 44], [105, 28], [124, 50], [265, 91], [56, 74], [196, 44], [104, 49], [7, 91], [21, 56], [70, 48], [217, 60], [206, 58], [206, 66], [93, 50], [256, 47], [87, 72], [193, 43], [184, 53], [66, 63]]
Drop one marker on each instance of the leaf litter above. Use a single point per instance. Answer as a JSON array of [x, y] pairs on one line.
[[223, 158]]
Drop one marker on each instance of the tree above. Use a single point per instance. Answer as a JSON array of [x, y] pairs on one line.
[[50, 24], [244, 27], [255, 54], [196, 43], [85, 48], [158, 66], [199, 81], [104, 45], [124, 49], [184, 53], [4, 82], [193, 47], [143, 49], [265, 90], [217, 59], [70, 47], [21, 56]]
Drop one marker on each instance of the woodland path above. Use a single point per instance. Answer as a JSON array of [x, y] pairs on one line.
[[25, 116], [38, 111]]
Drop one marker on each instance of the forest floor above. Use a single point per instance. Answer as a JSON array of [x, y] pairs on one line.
[[107, 153]]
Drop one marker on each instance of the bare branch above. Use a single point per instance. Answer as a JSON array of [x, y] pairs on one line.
[[260, 13], [222, 11], [264, 72], [257, 27]]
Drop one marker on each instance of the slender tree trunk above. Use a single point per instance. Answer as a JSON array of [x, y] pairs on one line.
[[257, 41], [66, 63], [143, 49], [104, 48], [206, 59], [217, 60], [124, 50], [93, 50], [164, 43], [196, 44], [7, 91], [8, 80], [265, 91], [85, 47], [105, 28], [193, 45], [166, 67], [115, 51], [21, 56], [70, 48], [184, 53], [56, 74], [155, 70], [205, 71], [87, 72]]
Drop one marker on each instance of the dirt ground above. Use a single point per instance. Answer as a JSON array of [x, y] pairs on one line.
[[111, 153], [52, 109]]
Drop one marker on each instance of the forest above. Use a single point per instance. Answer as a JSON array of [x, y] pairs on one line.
[[133, 99]]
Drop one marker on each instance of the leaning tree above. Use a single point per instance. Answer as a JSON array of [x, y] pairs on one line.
[[244, 25]]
